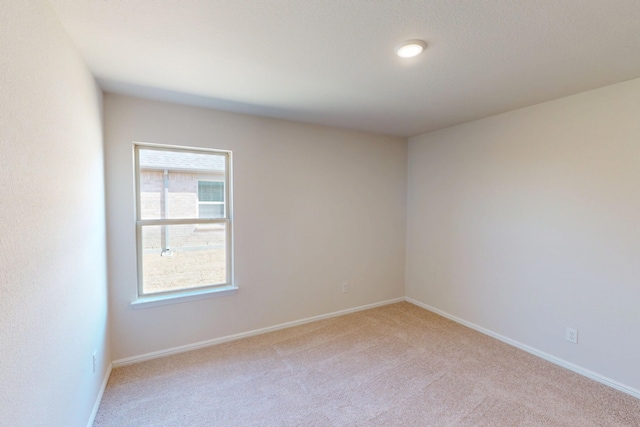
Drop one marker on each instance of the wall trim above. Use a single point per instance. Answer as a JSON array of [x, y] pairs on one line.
[[202, 344], [96, 405], [541, 354]]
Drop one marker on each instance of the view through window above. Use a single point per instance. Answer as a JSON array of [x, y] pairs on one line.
[[183, 219]]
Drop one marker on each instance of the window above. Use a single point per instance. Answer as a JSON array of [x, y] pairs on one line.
[[210, 199], [183, 220]]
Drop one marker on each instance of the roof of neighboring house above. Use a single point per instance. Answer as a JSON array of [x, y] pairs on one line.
[[158, 159]]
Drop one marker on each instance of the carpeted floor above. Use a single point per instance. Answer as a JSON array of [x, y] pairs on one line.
[[397, 365]]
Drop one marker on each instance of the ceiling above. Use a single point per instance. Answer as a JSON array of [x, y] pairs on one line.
[[332, 62]]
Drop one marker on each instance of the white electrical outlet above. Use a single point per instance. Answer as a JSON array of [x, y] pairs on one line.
[[571, 335], [94, 361], [345, 287]]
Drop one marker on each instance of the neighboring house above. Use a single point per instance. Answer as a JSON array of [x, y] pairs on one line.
[[179, 185]]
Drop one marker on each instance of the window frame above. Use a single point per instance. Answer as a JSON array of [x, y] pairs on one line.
[[193, 292]]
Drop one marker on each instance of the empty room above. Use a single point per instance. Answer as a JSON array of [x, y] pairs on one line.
[[319, 213]]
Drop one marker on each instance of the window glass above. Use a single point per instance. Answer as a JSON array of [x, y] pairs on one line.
[[183, 222], [196, 257], [171, 182]]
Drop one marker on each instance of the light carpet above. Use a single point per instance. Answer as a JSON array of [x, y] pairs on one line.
[[396, 365]]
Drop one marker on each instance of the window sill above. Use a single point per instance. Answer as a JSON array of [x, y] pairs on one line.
[[190, 295]]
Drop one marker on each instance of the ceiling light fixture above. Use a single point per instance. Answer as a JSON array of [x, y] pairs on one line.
[[410, 48]]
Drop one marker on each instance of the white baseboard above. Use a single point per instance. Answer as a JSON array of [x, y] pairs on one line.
[[208, 343], [541, 354], [96, 405]]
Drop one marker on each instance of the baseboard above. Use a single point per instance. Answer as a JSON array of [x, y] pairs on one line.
[[541, 354], [96, 405], [202, 344]]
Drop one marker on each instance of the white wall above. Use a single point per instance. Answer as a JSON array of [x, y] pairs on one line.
[[314, 206], [53, 296], [528, 222]]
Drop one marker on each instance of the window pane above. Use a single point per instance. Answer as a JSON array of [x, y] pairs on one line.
[[170, 182], [211, 191], [183, 256], [211, 210], [151, 194]]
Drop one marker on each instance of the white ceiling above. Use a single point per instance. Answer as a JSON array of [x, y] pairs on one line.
[[332, 62]]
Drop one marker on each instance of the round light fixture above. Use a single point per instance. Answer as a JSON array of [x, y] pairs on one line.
[[410, 48]]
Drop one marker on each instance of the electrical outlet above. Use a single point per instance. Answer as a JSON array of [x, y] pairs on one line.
[[571, 335], [94, 361], [345, 287]]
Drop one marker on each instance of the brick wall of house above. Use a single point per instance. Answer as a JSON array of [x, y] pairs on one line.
[[183, 194]]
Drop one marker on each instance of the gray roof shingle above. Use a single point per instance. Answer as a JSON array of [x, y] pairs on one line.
[[158, 159]]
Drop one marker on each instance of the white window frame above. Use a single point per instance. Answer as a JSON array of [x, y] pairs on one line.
[[144, 300]]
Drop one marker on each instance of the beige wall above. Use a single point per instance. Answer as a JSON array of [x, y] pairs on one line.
[[314, 206], [527, 222], [53, 296]]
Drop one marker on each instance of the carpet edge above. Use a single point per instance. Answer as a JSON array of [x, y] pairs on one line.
[[103, 387], [207, 343], [538, 353]]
